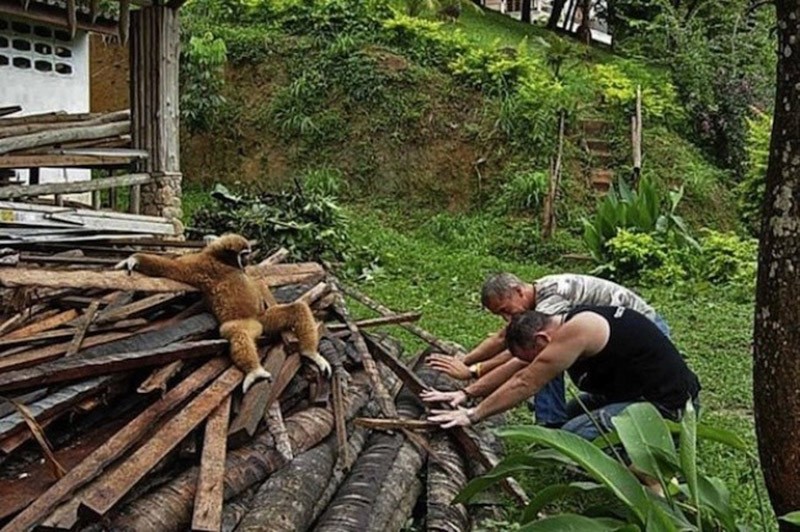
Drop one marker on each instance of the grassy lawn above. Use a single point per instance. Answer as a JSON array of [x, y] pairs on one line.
[[429, 266]]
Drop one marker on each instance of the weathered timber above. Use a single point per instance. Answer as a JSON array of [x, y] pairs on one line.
[[46, 138], [273, 275], [467, 441], [399, 491], [444, 483], [375, 322], [29, 191], [395, 424], [43, 354], [350, 508], [286, 501], [42, 325], [159, 378], [118, 444], [16, 493], [382, 395], [52, 405], [207, 514], [146, 304], [446, 347], [338, 390], [277, 428], [109, 489], [80, 334], [169, 507], [87, 367], [19, 127]]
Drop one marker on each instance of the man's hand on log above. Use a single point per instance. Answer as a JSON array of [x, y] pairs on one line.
[[452, 398], [449, 365], [461, 417]]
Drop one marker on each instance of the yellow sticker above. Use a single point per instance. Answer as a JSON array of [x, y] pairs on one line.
[[6, 215]]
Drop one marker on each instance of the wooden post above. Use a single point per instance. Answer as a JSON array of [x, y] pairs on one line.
[[636, 138], [154, 53], [549, 207]]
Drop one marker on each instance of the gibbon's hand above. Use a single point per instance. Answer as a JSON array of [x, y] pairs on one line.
[[323, 365], [452, 398], [452, 418], [449, 365], [128, 264]]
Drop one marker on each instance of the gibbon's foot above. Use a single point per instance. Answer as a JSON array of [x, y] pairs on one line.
[[128, 264], [323, 365], [253, 376]]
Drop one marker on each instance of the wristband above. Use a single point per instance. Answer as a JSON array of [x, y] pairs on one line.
[[475, 370]]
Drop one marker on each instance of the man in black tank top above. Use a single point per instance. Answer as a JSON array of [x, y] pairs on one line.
[[615, 355]]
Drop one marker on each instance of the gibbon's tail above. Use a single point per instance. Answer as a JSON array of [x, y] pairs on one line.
[[242, 335], [296, 316]]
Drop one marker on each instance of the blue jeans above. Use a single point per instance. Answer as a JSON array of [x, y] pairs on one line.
[[549, 405]]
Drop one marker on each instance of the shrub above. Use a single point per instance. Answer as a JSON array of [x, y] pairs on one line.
[[751, 190], [523, 193], [309, 224], [727, 258], [202, 70]]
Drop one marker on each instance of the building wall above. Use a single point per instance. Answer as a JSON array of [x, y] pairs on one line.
[[43, 69], [109, 80]]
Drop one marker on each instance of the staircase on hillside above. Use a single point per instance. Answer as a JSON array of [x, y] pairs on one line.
[[595, 132]]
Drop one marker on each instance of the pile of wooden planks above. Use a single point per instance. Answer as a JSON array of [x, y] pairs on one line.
[[84, 140], [122, 410]]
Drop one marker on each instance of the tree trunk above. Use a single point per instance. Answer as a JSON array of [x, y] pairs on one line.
[[526, 11], [170, 507], [776, 369]]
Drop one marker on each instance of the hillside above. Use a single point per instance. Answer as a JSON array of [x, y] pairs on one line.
[[405, 108]]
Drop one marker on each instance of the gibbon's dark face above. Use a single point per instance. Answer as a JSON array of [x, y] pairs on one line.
[[233, 250]]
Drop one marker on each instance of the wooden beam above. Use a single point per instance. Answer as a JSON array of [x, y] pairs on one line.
[[84, 367], [208, 497], [109, 489], [47, 138], [273, 275], [65, 161], [26, 191], [115, 447], [375, 322], [395, 424]]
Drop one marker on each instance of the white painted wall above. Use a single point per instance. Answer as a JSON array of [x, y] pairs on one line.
[[60, 83]]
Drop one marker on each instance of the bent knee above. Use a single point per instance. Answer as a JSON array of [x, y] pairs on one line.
[[249, 328]]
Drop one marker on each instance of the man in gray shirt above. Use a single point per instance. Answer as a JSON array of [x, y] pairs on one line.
[[506, 295]]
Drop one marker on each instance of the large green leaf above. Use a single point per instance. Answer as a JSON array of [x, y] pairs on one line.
[[575, 523], [714, 495], [705, 432], [688, 453], [640, 427], [616, 477], [793, 518], [552, 493], [505, 468]]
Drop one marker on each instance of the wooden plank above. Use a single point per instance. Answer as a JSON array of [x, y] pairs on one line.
[[80, 334], [375, 322], [10, 110], [273, 275], [26, 191], [207, 514], [52, 405], [146, 304], [111, 487], [42, 325], [115, 447], [87, 367], [395, 424], [35, 126], [46, 138], [53, 160], [468, 444], [50, 352], [255, 402]]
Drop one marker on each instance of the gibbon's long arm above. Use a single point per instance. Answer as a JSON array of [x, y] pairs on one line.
[[156, 266]]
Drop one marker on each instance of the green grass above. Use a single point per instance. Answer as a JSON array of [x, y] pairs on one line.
[[441, 276]]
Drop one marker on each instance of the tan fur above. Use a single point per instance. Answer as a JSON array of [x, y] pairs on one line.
[[236, 300]]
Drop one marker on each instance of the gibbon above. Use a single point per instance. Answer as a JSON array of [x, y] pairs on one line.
[[236, 300]]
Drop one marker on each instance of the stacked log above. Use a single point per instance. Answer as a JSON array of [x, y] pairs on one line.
[[126, 378], [39, 134]]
